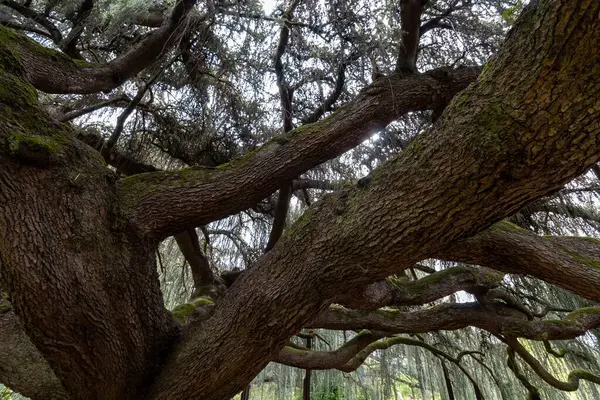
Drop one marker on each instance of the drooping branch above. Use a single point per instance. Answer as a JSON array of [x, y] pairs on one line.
[[393, 341], [309, 359], [569, 262], [573, 379], [568, 210], [54, 72], [242, 183]]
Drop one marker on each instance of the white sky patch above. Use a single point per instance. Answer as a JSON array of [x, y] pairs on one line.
[[268, 6]]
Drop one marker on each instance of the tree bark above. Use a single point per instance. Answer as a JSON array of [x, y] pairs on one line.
[[23, 368], [77, 247], [520, 132], [54, 72]]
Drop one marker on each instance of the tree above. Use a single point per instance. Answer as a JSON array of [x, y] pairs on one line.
[[82, 214]]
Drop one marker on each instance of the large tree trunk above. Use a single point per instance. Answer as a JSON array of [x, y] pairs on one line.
[[82, 283], [85, 288], [77, 245]]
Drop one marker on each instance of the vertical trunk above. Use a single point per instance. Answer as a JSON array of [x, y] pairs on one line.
[[246, 393], [306, 383], [84, 287]]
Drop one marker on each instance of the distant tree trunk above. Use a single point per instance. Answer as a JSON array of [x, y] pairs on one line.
[[246, 393], [307, 374]]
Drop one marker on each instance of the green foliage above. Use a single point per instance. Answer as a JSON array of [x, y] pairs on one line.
[[510, 14], [5, 393], [330, 393]]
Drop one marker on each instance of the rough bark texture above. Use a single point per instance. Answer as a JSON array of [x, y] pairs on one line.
[[569, 262], [520, 132], [55, 72], [159, 203], [84, 287], [23, 368], [77, 247]]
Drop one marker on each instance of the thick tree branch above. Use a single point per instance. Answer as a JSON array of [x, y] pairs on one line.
[[433, 287], [569, 262], [53, 72], [8, 21], [300, 184], [189, 245], [496, 318], [520, 133], [239, 185]]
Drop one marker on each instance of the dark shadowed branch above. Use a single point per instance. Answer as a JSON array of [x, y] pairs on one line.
[[54, 72]]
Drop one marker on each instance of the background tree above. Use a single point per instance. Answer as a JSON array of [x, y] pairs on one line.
[[202, 138]]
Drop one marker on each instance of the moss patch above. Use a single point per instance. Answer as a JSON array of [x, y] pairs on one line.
[[4, 303]]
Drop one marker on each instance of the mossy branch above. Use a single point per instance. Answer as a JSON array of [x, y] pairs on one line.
[[54, 72]]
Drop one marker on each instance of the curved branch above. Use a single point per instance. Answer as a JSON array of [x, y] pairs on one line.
[[335, 94], [239, 185], [308, 359], [573, 379], [534, 393], [496, 148], [53, 72], [281, 211], [569, 262]]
